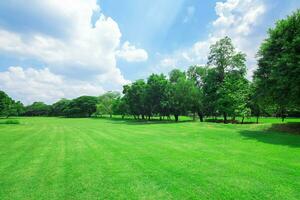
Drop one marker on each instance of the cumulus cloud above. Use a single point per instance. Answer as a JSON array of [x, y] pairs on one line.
[[130, 53], [31, 85], [236, 19], [86, 49]]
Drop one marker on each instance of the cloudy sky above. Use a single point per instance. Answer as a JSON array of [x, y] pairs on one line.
[[54, 49]]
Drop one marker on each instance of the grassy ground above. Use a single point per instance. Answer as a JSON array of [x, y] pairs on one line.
[[57, 158]]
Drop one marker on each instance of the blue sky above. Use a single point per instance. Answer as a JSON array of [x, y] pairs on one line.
[[56, 49]]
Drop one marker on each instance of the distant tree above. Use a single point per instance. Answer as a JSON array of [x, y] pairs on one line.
[[135, 96], [234, 94], [59, 108], [277, 76], [37, 109], [196, 74], [83, 106], [5, 104], [180, 97], [106, 102], [175, 75], [226, 62], [157, 94], [120, 107]]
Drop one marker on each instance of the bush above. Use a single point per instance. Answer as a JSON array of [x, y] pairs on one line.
[[10, 121]]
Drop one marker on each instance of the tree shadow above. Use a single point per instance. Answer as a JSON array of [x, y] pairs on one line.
[[278, 134], [129, 121]]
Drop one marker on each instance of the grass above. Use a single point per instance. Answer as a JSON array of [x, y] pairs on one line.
[[58, 158]]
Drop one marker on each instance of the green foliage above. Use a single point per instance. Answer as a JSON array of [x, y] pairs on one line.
[[226, 88], [277, 77], [60, 108], [83, 106], [37, 109], [106, 102]]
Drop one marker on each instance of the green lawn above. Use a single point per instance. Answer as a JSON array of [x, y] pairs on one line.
[[57, 158]]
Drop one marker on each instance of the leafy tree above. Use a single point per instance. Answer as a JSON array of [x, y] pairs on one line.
[[277, 76], [83, 106], [59, 108], [5, 104], [37, 109], [180, 96], [120, 107], [234, 94], [135, 96], [196, 74], [156, 94], [105, 103], [226, 62]]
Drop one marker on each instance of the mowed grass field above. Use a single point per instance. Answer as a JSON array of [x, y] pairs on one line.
[[57, 158]]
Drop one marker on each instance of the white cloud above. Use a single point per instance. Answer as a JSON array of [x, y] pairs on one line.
[[88, 50], [130, 53], [31, 85], [236, 19]]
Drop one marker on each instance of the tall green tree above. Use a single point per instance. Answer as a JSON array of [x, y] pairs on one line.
[[277, 76], [196, 74], [135, 97], [180, 97], [5, 104], [157, 94], [228, 65]]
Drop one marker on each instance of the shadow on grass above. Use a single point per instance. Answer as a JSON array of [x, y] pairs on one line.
[[228, 121], [140, 121], [278, 134]]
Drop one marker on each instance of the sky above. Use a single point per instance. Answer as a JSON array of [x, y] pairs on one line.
[[55, 49]]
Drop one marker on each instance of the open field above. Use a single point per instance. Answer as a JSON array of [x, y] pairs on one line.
[[58, 158]]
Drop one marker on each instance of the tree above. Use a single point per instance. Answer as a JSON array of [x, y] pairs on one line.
[[83, 106], [196, 74], [180, 96], [157, 94], [277, 76], [59, 108], [37, 109], [5, 104], [234, 94], [226, 62], [135, 97], [105, 103], [120, 107]]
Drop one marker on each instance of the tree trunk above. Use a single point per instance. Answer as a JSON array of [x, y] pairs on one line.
[[160, 118], [243, 120], [225, 117], [110, 115], [149, 117], [123, 116], [200, 116], [194, 116], [257, 119], [176, 118], [143, 117]]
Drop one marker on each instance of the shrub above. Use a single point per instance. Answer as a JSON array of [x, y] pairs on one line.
[[10, 121]]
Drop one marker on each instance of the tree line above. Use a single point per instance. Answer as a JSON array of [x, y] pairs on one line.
[[220, 88]]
